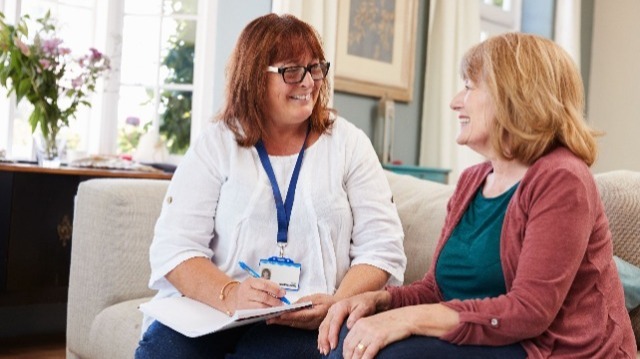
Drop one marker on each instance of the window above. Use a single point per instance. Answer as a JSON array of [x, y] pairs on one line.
[[499, 16], [156, 77], [154, 58]]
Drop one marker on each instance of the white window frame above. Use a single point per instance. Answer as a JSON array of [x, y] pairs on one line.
[[203, 85], [102, 133], [494, 21]]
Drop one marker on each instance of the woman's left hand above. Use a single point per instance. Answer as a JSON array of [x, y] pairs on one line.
[[370, 334], [307, 318]]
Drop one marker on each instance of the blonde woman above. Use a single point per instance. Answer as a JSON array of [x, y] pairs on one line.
[[524, 266]]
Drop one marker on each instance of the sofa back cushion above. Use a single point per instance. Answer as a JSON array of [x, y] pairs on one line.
[[422, 206]]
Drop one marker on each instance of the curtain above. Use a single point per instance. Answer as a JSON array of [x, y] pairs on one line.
[[567, 27], [454, 26], [323, 16]]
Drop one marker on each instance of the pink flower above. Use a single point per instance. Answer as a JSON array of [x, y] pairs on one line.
[[133, 121], [22, 46], [95, 54], [46, 64], [77, 82], [50, 46]]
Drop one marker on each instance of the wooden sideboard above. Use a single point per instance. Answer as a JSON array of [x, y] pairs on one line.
[[36, 229]]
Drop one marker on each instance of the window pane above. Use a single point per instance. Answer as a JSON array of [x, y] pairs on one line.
[[178, 51], [175, 123], [505, 5], [80, 3], [140, 50], [185, 7], [157, 76], [73, 24], [136, 111], [149, 7], [22, 144]]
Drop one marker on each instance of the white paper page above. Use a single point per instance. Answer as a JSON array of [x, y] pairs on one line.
[[193, 318]]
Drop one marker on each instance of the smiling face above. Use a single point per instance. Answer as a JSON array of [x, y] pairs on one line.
[[476, 113], [291, 104]]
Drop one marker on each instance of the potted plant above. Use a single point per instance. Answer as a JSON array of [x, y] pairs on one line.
[[39, 69]]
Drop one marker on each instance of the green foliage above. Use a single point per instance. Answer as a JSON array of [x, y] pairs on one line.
[[129, 136], [176, 120]]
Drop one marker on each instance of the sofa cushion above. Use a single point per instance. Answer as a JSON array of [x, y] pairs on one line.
[[422, 206], [620, 193], [119, 323], [112, 230]]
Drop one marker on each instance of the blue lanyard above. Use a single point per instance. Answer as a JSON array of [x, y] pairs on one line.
[[283, 209]]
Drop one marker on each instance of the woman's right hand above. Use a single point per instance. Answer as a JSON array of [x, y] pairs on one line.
[[351, 309], [254, 293]]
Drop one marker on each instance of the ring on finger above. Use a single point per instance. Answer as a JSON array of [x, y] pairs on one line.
[[361, 347]]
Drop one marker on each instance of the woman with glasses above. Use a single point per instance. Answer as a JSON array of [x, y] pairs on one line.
[[282, 185]]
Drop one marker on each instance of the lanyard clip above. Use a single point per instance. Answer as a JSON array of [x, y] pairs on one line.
[[282, 245]]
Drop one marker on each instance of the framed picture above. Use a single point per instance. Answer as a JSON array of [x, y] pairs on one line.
[[375, 48]]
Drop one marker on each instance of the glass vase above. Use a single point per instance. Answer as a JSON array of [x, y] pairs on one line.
[[49, 149]]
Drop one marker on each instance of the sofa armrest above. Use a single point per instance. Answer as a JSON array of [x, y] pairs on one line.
[[620, 193], [112, 230]]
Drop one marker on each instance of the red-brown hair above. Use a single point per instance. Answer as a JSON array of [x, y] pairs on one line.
[[264, 41]]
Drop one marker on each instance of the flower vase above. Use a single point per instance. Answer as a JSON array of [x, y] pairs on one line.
[[49, 149]]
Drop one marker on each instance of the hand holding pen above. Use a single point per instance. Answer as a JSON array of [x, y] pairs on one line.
[[255, 274]]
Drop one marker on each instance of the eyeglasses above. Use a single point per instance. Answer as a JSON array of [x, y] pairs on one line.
[[295, 74]]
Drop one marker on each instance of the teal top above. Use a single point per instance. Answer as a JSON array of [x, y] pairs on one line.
[[469, 265]]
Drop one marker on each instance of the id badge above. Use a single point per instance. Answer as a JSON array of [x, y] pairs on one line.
[[283, 271]]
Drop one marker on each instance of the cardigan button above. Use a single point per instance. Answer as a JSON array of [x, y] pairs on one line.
[[169, 200], [494, 322]]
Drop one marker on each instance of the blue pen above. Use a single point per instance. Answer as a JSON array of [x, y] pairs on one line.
[[255, 274]]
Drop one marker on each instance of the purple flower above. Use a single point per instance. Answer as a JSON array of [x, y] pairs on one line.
[[46, 64], [95, 54], [133, 121], [50, 46], [77, 82]]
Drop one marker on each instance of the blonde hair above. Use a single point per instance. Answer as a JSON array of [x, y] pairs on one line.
[[538, 96]]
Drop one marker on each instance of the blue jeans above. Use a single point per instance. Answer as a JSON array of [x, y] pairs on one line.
[[249, 341], [429, 347]]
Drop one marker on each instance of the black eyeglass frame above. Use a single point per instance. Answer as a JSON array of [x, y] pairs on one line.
[[307, 69]]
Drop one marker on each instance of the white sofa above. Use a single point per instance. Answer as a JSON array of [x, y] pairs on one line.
[[113, 228]]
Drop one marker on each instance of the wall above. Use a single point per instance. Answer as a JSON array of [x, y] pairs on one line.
[[615, 83], [233, 16], [537, 17], [362, 111]]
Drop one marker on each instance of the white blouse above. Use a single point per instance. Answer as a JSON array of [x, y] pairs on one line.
[[220, 205]]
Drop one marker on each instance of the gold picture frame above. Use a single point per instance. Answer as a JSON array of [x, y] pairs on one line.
[[375, 48]]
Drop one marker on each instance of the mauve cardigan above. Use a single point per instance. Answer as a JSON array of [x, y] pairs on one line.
[[564, 298]]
